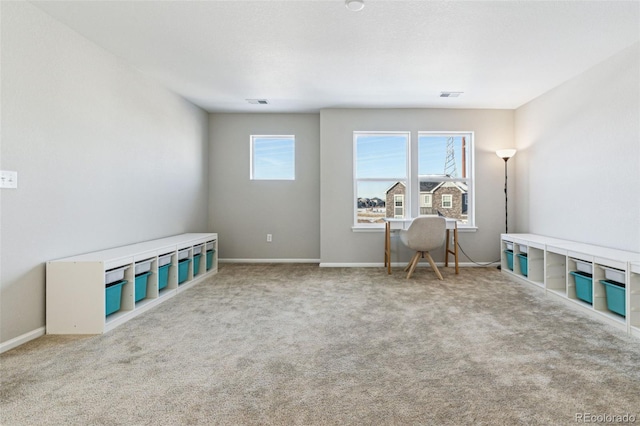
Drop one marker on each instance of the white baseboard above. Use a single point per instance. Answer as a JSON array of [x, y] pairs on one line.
[[269, 260], [353, 265], [20, 340]]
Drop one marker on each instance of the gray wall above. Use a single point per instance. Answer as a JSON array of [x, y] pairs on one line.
[[105, 158], [340, 245], [242, 211], [578, 157]]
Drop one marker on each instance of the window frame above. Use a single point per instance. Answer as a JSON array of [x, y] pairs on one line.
[[469, 180], [252, 161], [412, 181], [405, 180]]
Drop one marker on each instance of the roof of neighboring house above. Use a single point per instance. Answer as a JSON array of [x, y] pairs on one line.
[[432, 186], [393, 186], [429, 186]]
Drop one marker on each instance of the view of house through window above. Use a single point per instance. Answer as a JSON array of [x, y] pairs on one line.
[[381, 172], [444, 166], [385, 188], [273, 157]]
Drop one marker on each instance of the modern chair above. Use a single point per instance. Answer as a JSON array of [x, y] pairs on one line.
[[424, 234]]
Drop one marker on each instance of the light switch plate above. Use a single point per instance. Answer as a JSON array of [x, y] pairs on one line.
[[8, 179]]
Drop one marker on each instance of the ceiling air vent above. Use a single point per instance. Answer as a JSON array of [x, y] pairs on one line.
[[450, 94], [258, 101]]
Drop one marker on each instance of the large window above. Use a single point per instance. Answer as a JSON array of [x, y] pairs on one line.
[[380, 176], [273, 158], [439, 183], [445, 174]]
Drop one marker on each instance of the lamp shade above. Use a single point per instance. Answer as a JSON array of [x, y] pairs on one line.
[[505, 153], [354, 5]]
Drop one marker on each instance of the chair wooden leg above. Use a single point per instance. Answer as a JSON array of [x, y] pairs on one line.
[[414, 263], [411, 261], [433, 265]]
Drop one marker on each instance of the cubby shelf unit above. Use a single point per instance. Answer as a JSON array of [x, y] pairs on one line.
[[75, 293], [551, 261]]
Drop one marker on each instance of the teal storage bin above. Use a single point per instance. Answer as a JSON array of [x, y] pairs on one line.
[[183, 270], [113, 296], [523, 263], [509, 254], [196, 264], [163, 276], [615, 292], [210, 258], [584, 286], [141, 285]]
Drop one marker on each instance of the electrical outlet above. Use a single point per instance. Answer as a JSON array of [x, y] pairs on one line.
[[269, 238], [8, 179]]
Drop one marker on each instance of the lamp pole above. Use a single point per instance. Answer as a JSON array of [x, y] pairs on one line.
[[506, 210], [505, 154]]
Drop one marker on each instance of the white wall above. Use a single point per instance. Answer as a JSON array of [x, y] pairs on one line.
[[339, 244], [243, 211], [105, 157], [578, 157]]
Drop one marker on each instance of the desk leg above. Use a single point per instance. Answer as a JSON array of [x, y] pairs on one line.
[[446, 251], [387, 246], [455, 248], [454, 252]]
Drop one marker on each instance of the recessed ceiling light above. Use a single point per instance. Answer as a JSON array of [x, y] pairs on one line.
[[258, 101], [450, 94], [354, 5]]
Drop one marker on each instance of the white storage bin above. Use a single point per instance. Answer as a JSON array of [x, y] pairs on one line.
[[523, 248], [165, 259], [583, 266], [210, 245], [509, 245], [115, 274], [183, 254], [143, 266], [614, 274], [197, 250]]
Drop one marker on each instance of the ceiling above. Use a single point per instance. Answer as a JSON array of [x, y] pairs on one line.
[[303, 56]]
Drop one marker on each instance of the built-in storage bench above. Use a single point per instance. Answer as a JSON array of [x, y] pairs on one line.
[[78, 297], [633, 306], [528, 252], [578, 274]]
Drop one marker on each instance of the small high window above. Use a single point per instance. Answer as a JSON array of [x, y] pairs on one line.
[[273, 157]]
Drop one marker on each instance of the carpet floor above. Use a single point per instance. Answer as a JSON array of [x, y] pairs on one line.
[[276, 344]]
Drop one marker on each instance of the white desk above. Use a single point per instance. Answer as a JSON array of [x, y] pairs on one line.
[[398, 224]]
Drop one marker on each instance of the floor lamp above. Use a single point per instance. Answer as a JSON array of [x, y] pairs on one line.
[[505, 154]]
